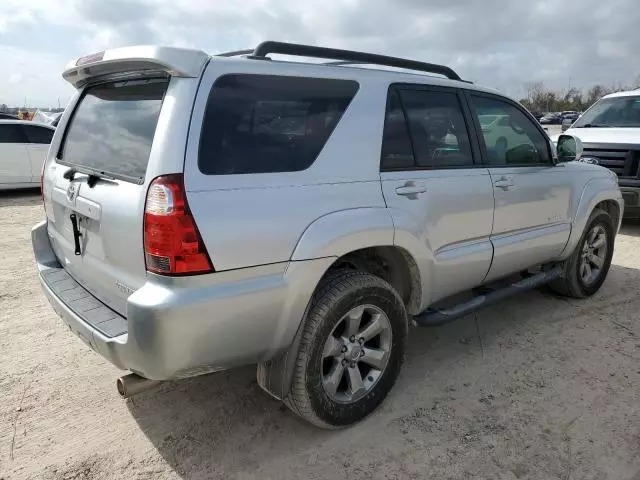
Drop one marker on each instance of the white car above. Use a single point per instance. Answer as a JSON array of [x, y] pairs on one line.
[[500, 134], [23, 148]]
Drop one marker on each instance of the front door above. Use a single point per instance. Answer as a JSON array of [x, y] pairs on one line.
[[441, 200], [532, 194], [14, 159]]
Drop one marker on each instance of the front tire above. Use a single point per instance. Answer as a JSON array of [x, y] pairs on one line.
[[351, 351], [587, 267]]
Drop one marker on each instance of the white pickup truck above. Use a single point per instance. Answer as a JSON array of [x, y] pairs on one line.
[[610, 135]]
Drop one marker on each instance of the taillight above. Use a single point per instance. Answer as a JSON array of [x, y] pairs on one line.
[[172, 243]]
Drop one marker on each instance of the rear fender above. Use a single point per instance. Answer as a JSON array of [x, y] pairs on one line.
[[322, 243], [345, 231]]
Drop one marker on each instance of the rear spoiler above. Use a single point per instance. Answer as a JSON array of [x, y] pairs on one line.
[[178, 62]]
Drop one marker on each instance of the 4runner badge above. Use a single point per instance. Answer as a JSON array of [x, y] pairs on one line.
[[72, 192]]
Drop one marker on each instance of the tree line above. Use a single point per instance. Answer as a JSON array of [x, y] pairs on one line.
[[542, 99]]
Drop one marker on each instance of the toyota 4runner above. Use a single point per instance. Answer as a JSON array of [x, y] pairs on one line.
[[206, 212]]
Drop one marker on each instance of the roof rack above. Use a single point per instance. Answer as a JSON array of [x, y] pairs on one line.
[[234, 53], [349, 56]]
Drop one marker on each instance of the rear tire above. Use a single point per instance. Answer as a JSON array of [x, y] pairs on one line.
[[586, 269], [351, 350]]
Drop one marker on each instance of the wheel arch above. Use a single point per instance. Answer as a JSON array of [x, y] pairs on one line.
[[601, 193]]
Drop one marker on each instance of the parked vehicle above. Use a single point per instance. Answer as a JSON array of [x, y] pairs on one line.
[[23, 148], [610, 133], [537, 115], [299, 216], [499, 133], [551, 119], [8, 116]]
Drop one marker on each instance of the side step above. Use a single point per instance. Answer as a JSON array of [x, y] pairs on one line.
[[435, 317]]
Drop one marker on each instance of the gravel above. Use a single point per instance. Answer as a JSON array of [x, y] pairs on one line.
[[541, 388]]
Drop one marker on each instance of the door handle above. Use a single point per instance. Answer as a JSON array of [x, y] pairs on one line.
[[504, 183], [411, 189]]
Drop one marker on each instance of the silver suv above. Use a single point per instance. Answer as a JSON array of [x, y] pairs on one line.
[[206, 212]]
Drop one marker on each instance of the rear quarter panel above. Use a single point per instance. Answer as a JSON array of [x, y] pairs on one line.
[[255, 219]]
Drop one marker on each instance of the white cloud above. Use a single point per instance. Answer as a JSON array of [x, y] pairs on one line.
[[34, 76], [501, 43]]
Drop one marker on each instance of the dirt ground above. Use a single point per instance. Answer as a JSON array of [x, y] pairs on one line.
[[537, 388]]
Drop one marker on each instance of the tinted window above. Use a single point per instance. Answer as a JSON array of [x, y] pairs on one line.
[[264, 123], [397, 151], [11, 133], [38, 134], [112, 128], [516, 141], [438, 131]]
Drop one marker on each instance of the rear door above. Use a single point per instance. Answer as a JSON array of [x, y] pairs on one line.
[[533, 195], [38, 140], [110, 134], [14, 160], [435, 187]]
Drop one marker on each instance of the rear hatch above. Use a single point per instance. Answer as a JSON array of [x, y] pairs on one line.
[[95, 186]]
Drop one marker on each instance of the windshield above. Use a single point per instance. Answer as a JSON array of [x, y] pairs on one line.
[[612, 112], [112, 128]]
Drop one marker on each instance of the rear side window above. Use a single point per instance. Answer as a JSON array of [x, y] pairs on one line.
[[266, 123], [112, 128], [437, 127], [38, 134], [11, 133], [397, 152]]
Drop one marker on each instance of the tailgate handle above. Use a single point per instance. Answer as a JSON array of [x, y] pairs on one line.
[[76, 233]]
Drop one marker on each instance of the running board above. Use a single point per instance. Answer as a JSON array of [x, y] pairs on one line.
[[435, 317]]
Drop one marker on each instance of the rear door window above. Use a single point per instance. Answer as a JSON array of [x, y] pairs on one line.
[[38, 134], [267, 123], [111, 130], [11, 133]]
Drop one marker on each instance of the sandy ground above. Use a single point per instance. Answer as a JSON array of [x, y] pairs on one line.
[[544, 388]]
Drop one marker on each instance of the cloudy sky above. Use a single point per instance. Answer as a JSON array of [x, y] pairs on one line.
[[500, 43]]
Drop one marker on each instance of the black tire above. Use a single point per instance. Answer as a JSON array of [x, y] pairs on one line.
[[336, 296], [571, 283]]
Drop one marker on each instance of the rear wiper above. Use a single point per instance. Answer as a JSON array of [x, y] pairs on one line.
[[92, 178]]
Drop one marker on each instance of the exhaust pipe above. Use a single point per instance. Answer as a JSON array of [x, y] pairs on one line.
[[132, 384]]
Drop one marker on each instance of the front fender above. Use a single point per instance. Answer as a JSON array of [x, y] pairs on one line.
[[595, 191], [344, 231]]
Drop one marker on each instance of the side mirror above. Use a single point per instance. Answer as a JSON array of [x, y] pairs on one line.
[[569, 148]]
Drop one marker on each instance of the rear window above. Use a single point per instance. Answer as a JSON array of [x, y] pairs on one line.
[[11, 133], [266, 123], [38, 134], [112, 128]]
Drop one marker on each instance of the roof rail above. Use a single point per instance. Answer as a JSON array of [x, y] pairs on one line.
[[234, 53], [349, 56]]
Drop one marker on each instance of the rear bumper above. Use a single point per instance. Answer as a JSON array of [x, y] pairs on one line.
[[182, 327]]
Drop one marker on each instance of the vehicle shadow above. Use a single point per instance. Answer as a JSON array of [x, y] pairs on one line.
[[29, 197], [631, 228], [218, 425]]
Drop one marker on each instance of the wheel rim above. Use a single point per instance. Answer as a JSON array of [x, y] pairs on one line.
[[356, 354], [593, 255]]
